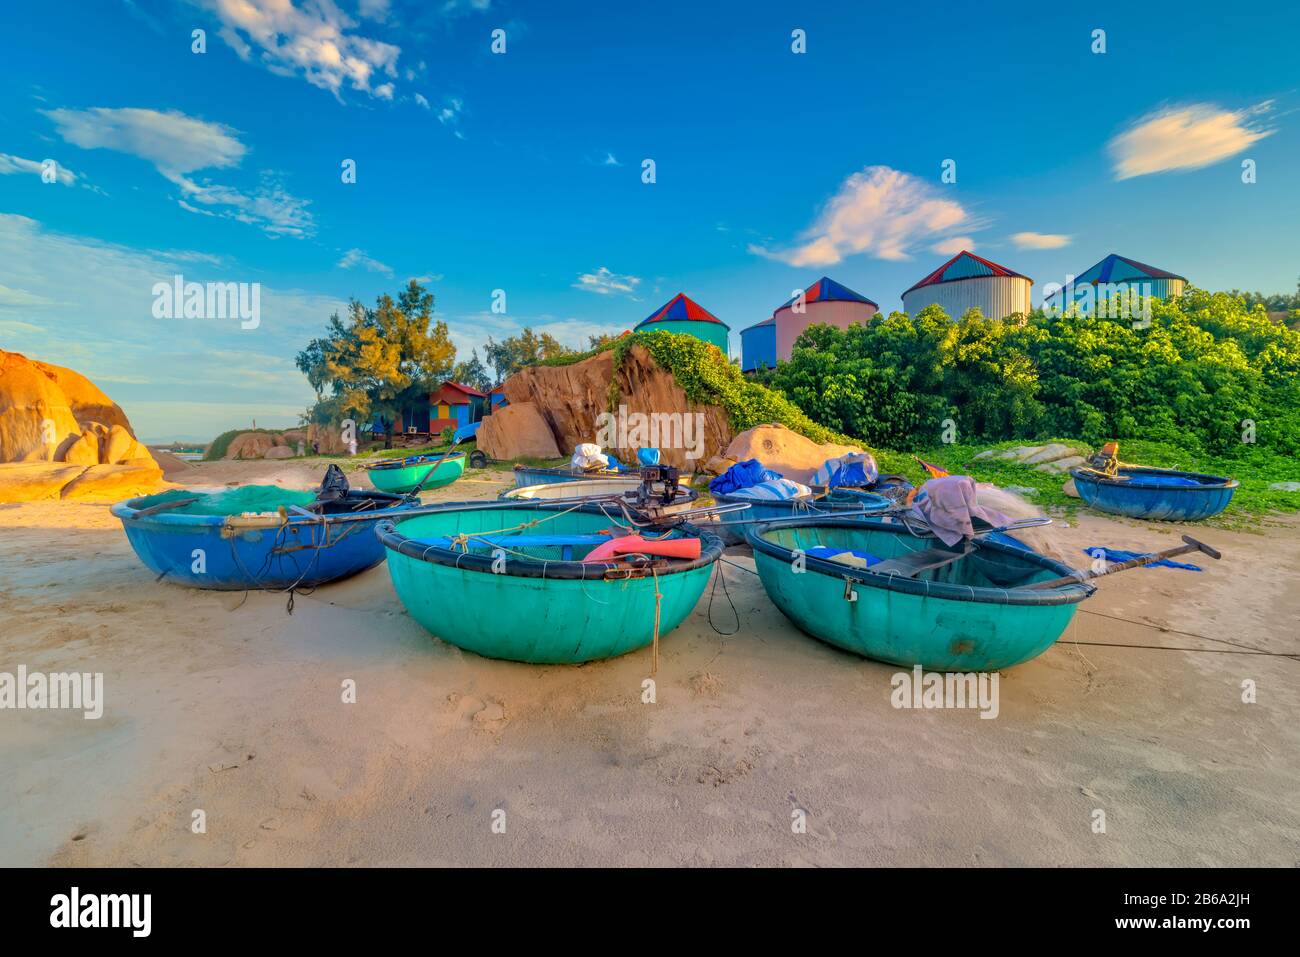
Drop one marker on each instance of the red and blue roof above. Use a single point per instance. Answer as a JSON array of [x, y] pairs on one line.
[[966, 265], [1115, 268], [681, 308], [769, 321], [828, 290]]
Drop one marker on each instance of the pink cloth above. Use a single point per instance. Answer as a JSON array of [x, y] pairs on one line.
[[948, 504]]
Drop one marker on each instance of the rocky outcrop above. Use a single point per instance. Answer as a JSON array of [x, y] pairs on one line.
[[60, 436], [251, 445], [517, 431], [782, 450], [574, 399]]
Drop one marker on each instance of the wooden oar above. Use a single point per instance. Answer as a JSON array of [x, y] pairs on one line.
[[164, 506], [1192, 546], [442, 457]]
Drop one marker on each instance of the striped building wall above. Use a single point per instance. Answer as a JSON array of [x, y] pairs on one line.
[[995, 296], [838, 313]]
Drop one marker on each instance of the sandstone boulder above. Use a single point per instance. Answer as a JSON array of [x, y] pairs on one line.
[[84, 450], [34, 481], [35, 418], [170, 464], [785, 451], [573, 400], [328, 438], [87, 402], [250, 445], [279, 452], [517, 431], [115, 482]]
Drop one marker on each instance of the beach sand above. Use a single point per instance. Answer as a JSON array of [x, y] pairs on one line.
[[223, 702]]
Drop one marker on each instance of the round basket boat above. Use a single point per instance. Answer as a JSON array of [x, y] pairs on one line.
[[584, 488], [277, 550], [526, 475], [903, 599], [732, 527], [1159, 494], [423, 471], [518, 588]]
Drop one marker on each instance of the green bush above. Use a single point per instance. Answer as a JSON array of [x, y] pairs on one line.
[[1204, 368]]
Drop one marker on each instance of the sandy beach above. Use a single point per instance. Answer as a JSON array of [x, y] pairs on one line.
[[226, 703]]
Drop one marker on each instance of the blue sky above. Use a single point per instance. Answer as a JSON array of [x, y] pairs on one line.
[[522, 171]]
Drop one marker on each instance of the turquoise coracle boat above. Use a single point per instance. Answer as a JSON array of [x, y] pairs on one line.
[[873, 588], [516, 586], [425, 471]]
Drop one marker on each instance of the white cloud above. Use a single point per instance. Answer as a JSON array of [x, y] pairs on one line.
[[451, 110], [373, 9], [951, 247], [609, 160], [177, 145], [10, 164], [358, 257], [603, 282], [422, 100], [1183, 138], [170, 140], [1031, 240], [879, 211], [21, 298], [314, 40]]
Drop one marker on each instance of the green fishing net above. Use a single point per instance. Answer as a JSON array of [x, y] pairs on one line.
[[233, 501]]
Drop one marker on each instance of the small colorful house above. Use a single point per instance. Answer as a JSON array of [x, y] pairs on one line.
[[682, 314], [452, 405]]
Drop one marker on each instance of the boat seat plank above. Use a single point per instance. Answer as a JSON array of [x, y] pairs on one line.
[[923, 560]]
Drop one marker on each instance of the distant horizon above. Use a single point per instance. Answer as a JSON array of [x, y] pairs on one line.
[[798, 143]]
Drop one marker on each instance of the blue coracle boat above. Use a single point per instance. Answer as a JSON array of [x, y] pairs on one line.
[[526, 475], [732, 527], [1160, 494], [276, 550]]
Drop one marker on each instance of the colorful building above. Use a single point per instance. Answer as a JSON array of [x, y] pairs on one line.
[[451, 405], [825, 302], [1118, 274], [758, 346], [682, 314], [967, 281]]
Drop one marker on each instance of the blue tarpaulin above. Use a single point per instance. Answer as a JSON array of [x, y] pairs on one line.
[[647, 456], [742, 475]]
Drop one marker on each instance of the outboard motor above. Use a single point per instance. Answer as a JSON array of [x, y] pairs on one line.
[[334, 486], [652, 475]]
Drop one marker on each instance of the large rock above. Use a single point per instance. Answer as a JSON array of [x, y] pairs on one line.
[[169, 463], [573, 399], [517, 431], [35, 417], [250, 445], [83, 451], [328, 439], [115, 482], [87, 402], [34, 481], [784, 451], [279, 452]]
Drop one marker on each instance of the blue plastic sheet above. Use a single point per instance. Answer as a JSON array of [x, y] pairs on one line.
[[742, 475], [647, 456], [1117, 555]]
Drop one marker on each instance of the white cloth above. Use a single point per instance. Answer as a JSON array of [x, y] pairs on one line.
[[588, 456]]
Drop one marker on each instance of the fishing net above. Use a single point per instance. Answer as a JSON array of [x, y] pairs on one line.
[[234, 501]]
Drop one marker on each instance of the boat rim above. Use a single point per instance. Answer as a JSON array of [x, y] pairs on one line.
[[128, 510], [710, 549], [1067, 594], [577, 473], [413, 460], [1211, 483]]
